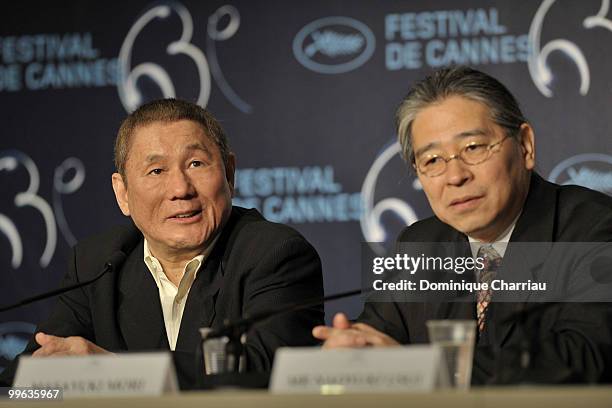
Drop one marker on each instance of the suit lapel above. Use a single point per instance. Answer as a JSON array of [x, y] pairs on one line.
[[200, 306], [535, 224], [537, 221], [140, 314], [454, 309]]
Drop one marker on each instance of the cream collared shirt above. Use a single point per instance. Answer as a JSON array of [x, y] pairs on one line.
[[173, 298]]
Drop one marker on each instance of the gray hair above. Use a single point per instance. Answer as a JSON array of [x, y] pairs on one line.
[[167, 110], [457, 81]]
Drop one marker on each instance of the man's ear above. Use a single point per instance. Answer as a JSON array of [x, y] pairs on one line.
[[121, 195], [230, 171], [526, 140]]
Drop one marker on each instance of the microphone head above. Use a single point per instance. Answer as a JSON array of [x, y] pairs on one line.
[[125, 240], [115, 260]]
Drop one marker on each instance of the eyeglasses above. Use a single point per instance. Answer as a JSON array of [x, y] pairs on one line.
[[433, 165]]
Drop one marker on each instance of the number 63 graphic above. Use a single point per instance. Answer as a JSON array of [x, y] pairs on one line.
[[537, 62], [10, 161], [132, 98]]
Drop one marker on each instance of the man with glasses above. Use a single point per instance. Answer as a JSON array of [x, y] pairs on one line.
[[474, 153]]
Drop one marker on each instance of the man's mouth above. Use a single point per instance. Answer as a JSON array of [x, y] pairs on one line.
[[465, 201], [185, 215]]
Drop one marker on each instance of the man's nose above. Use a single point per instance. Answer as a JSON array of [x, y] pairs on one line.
[[457, 172], [180, 185]]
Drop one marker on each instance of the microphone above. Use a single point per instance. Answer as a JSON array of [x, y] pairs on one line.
[[113, 262], [125, 239], [240, 326], [235, 330]]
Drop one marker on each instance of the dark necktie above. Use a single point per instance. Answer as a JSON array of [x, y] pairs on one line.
[[491, 261]]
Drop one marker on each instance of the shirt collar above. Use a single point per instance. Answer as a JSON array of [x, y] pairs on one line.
[[498, 244], [196, 262]]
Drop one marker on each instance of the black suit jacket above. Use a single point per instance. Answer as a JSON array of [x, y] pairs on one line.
[[255, 265], [573, 340]]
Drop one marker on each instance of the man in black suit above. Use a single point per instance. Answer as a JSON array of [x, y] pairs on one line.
[[193, 260], [490, 196]]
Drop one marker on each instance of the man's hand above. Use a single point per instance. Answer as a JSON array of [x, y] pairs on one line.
[[64, 346], [345, 334]]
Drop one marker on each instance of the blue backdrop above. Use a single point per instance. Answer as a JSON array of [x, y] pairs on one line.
[[306, 92]]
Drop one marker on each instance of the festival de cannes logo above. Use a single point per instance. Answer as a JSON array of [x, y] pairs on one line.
[[592, 170], [333, 45]]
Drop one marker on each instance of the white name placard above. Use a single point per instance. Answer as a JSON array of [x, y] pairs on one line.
[[396, 369], [100, 375]]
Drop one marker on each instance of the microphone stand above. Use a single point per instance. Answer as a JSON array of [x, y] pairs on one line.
[[116, 259], [235, 331]]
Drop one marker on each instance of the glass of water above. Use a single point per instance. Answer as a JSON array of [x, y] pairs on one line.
[[215, 353], [456, 340]]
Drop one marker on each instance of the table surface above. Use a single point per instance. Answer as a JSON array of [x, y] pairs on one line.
[[522, 397]]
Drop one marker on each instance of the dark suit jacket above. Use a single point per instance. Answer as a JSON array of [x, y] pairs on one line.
[[255, 265], [573, 340]]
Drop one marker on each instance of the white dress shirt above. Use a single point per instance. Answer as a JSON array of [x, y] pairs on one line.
[[498, 244], [173, 298]]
